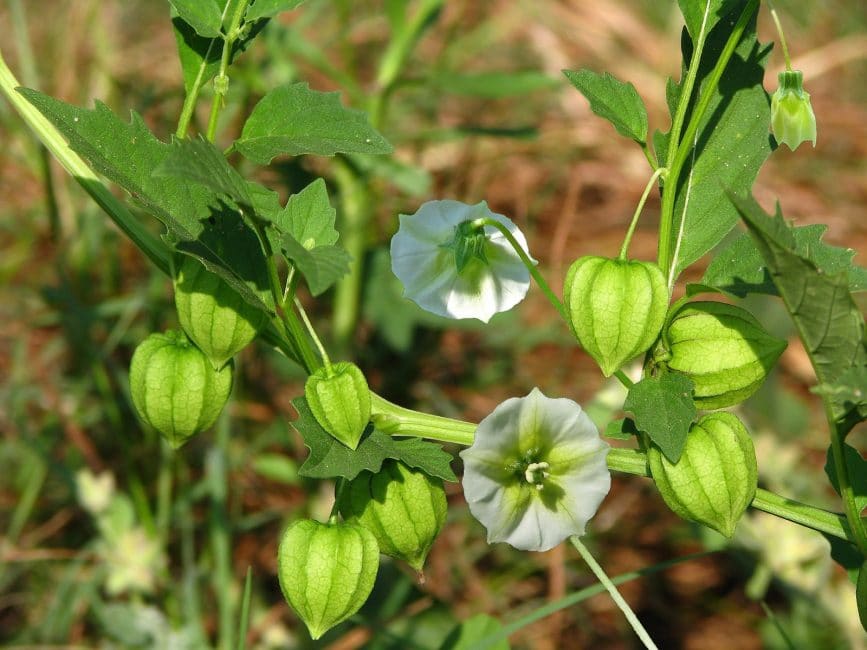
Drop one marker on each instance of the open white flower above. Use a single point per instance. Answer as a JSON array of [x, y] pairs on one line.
[[536, 472], [452, 266]]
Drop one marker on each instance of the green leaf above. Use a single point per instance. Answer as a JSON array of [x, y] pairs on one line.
[[694, 12], [622, 429], [849, 391], [321, 266], [205, 16], [846, 554], [268, 8], [199, 223], [617, 102], [308, 217], [857, 467], [827, 318], [473, 633], [294, 120], [732, 143], [492, 85], [664, 410], [740, 270], [329, 457]]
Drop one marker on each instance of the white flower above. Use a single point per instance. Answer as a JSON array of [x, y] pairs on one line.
[[95, 491], [536, 472], [452, 266]]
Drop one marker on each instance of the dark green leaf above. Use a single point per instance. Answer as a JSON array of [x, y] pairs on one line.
[[321, 266], [704, 12], [473, 633], [308, 217], [849, 391], [846, 555], [268, 8], [199, 222], [730, 146], [610, 98], [205, 16], [664, 410], [828, 320], [857, 468], [622, 429], [492, 85], [330, 458], [739, 268], [294, 120]]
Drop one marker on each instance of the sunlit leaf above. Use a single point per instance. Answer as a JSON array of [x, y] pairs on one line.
[[616, 101], [205, 16]]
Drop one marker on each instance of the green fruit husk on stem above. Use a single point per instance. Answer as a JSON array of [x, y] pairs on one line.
[[616, 307], [404, 508], [175, 388], [339, 398], [326, 571]]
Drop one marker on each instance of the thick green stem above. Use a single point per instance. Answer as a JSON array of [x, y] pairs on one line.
[[530, 264], [221, 80], [679, 148], [613, 592]]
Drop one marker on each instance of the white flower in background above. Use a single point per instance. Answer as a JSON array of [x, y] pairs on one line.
[[133, 562], [536, 472], [454, 267], [95, 492]]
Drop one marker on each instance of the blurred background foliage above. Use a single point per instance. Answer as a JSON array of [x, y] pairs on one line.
[[108, 540]]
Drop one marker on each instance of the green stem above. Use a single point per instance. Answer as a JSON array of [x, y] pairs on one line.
[[626, 381], [531, 266], [660, 171], [679, 148], [613, 592], [221, 80], [312, 333], [844, 482], [220, 533], [779, 27]]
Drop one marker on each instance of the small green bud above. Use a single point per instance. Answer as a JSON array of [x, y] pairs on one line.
[[723, 349], [715, 479], [792, 117], [174, 387], [326, 571], [616, 307], [213, 315], [340, 401], [404, 508]]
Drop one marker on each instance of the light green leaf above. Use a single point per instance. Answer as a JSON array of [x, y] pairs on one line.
[[739, 268], [268, 8], [617, 102], [492, 85], [473, 634], [664, 410], [731, 144], [622, 429], [294, 120], [205, 16], [694, 12], [829, 322], [199, 223], [308, 217], [321, 266], [330, 458]]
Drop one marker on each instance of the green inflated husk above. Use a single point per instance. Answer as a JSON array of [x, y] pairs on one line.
[[339, 398], [326, 571]]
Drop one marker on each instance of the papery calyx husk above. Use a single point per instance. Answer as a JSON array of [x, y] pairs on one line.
[[212, 313], [326, 571], [715, 478], [339, 397], [404, 508], [175, 388], [616, 307], [722, 348]]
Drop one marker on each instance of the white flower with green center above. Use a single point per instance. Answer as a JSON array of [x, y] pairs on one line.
[[453, 265], [536, 471]]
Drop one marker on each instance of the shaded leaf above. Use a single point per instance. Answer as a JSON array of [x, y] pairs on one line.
[[308, 217], [846, 555], [610, 98], [664, 410], [321, 266], [294, 120], [857, 468], [329, 457], [205, 16], [473, 634], [739, 268], [268, 8], [622, 429]]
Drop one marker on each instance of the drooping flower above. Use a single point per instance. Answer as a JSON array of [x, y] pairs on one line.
[[453, 266], [536, 471], [792, 117]]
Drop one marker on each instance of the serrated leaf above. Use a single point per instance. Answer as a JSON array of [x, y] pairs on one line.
[[321, 266], [330, 458], [857, 468], [308, 217], [268, 8], [704, 12], [740, 270], [828, 320], [199, 222], [664, 410], [205, 16], [614, 100], [294, 120], [492, 85], [731, 144]]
